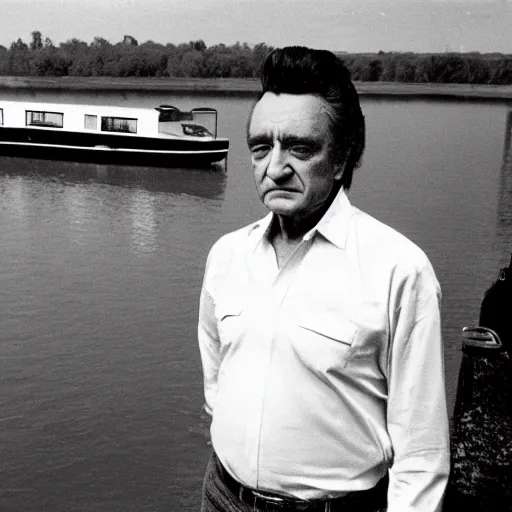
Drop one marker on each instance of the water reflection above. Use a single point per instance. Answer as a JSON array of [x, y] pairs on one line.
[[78, 208], [208, 183], [144, 234], [15, 195]]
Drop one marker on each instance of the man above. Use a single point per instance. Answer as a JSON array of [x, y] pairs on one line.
[[319, 326]]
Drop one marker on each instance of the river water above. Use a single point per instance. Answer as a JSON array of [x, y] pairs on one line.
[[100, 274]]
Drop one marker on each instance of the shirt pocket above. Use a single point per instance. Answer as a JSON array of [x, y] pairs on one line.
[[228, 313], [326, 338]]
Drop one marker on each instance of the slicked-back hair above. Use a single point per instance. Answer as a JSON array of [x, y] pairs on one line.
[[301, 70]]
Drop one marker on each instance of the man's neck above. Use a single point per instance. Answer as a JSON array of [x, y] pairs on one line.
[[291, 229]]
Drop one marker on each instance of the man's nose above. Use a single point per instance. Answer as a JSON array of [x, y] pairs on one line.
[[279, 168]]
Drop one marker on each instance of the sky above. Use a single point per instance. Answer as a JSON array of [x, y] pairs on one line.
[[337, 25]]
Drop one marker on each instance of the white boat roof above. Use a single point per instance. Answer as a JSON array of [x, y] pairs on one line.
[[14, 114]]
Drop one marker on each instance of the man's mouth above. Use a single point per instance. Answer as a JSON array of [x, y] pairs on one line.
[[281, 189]]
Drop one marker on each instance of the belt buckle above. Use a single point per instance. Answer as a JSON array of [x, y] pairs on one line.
[[269, 502]]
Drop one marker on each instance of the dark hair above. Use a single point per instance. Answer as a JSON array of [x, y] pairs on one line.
[[301, 70]]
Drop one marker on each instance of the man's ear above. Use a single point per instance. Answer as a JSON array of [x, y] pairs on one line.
[[338, 170], [339, 160]]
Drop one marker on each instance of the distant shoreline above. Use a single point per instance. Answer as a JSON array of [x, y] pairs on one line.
[[251, 87]]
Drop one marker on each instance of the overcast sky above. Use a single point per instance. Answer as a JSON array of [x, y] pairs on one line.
[[340, 25]]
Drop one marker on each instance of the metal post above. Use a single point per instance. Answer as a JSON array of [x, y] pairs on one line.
[[508, 136]]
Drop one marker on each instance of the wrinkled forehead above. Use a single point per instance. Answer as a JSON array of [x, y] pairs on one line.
[[302, 112]]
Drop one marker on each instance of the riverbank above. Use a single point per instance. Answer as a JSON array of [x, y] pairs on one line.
[[232, 86]]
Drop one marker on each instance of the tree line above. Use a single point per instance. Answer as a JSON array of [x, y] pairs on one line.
[[459, 68], [40, 57]]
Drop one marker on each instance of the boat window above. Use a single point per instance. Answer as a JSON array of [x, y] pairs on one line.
[[90, 122], [118, 124], [41, 118]]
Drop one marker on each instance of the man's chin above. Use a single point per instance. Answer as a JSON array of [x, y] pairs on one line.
[[281, 206]]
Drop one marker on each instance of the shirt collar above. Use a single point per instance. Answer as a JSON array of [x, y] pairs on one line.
[[335, 222], [333, 225]]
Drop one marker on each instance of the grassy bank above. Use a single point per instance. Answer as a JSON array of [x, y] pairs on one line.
[[249, 87]]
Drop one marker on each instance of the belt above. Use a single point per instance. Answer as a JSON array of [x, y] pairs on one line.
[[370, 500]]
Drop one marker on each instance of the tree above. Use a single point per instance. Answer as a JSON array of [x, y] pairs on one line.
[[37, 40], [100, 42], [388, 69], [18, 59], [502, 72], [130, 41], [100, 58], [19, 45], [375, 70], [192, 63], [4, 60], [198, 46], [50, 61], [259, 54], [73, 46]]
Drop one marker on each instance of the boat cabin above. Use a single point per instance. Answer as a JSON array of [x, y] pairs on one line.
[[160, 122]]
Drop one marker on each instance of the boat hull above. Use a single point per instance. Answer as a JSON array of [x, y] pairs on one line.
[[111, 148]]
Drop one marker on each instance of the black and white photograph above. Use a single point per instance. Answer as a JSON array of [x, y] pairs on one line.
[[255, 255]]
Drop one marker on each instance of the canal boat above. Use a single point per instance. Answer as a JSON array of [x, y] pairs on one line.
[[160, 136]]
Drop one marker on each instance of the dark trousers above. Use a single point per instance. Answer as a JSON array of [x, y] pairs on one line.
[[218, 498]]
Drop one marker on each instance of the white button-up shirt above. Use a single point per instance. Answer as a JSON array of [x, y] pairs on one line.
[[322, 374]]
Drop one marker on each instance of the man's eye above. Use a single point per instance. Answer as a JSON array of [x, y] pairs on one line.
[[301, 151], [260, 151]]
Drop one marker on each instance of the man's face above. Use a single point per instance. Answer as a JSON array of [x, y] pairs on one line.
[[290, 143]]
